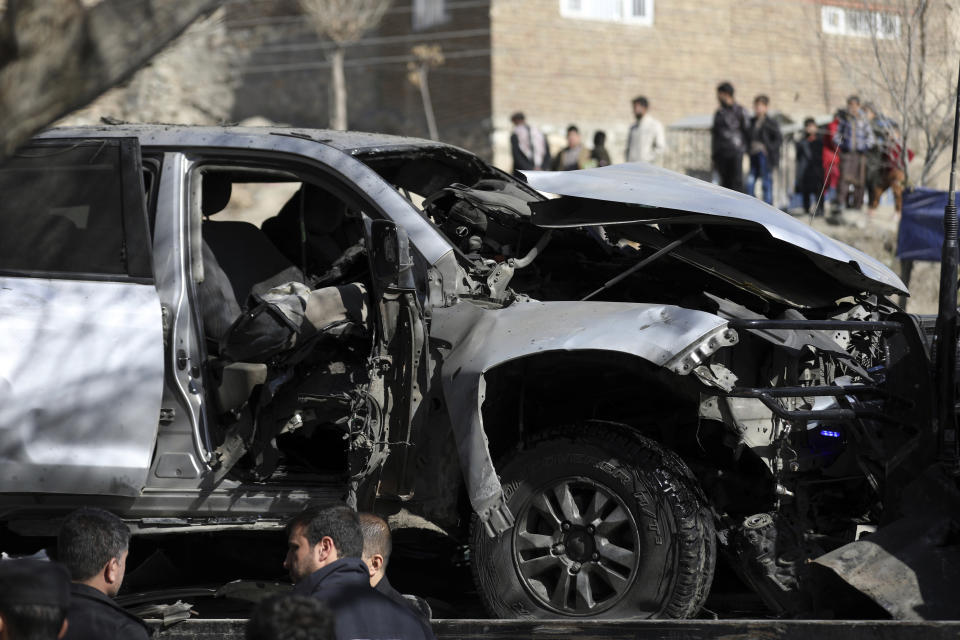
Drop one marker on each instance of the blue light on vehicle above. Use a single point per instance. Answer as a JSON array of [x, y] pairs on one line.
[[826, 433]]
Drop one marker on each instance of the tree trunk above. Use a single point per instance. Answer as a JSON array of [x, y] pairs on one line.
[[427, 103], [338, 87]]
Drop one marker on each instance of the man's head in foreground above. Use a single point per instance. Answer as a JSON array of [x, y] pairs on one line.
[[93, 545], [290, 618], [34, 598], [377, 545], [319, 537]]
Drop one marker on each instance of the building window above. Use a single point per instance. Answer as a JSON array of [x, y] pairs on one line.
[[429, 13], [864, 23], [628, 11]]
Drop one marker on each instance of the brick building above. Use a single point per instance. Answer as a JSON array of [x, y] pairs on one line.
[[574, 61]]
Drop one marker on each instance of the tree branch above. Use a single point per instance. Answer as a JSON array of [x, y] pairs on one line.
[[56, 56]]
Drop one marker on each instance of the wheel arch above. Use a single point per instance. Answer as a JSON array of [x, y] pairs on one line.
[[529, 395], [474, 341]]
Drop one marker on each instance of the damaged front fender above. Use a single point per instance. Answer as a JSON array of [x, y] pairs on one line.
[[477, 339]]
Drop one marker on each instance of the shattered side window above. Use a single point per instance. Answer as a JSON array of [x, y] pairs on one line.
[[61, 210]]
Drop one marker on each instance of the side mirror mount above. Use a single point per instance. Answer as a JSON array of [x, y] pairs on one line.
[[390, 260]]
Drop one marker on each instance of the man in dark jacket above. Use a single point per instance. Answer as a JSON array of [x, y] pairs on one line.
[[728, 138], [93, 545], [377, 546], [810, 166], [324, 560], [34, 596], [765, 140]]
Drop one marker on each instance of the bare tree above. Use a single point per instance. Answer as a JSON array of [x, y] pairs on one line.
[[58, 55], [426, 57], [902, 56], [344, 22]]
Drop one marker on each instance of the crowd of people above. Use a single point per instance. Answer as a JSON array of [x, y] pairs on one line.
[[336, 559], [857, 156], [646, 142]]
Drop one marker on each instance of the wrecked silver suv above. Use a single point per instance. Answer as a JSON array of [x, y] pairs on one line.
[[615, 382]]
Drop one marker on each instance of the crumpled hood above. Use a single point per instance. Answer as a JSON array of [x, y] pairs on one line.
[[638, 193]]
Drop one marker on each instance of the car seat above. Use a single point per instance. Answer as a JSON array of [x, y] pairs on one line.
[[249, 259], [327, 232]]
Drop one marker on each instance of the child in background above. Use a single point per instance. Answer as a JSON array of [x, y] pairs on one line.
[[599, 156], [831, 160]]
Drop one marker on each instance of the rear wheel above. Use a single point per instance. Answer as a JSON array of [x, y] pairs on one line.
[[608, 524]]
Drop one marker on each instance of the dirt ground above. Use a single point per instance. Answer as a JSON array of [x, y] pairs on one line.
[[877, 237]]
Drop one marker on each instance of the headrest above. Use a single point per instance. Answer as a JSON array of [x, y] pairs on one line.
[[215, 193], [34, 582], [322, 212]]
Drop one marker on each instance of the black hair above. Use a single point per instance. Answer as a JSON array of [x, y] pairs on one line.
[[762, 99], [725, 87], [517, 116], [642, 101], [376, 536], [339, 523], [809, 121], [853, 99], [599, 139], [573, 127], [290, 618], [33, 621], [88, 539]]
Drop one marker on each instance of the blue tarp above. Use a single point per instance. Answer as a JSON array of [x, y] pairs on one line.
[[921, 225]]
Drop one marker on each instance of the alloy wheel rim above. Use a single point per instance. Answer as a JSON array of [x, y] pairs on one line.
[[576, 547]]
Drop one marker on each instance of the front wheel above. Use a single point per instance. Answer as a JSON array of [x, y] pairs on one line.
[[608, 524]]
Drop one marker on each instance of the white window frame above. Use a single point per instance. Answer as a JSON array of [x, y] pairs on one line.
[[583, 12], [834, 21], [423, 16]]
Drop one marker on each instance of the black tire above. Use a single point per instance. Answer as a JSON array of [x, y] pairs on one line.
[[641, 542]]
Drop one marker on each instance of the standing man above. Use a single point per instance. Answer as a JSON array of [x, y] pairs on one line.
[[646, 141], [809, 150], [529, 146], [34, 596], [731, 126], [854, 138], [93, 545], [377, 545], [324, 560], [765, 140]]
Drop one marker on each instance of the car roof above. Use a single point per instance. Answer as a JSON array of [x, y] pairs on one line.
[[202, 135]]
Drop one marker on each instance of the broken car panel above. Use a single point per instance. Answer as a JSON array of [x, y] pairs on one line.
[[651, 194]]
